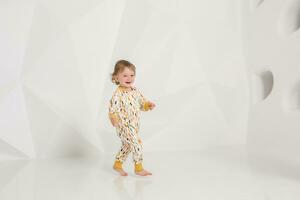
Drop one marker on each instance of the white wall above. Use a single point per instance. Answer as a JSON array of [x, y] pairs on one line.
[[271, 35], [57, 58]]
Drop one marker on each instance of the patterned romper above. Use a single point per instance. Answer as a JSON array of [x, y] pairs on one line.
[[125, 107]]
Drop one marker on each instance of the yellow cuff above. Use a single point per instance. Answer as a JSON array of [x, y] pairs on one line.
[[118, 164], [138, 167], [114, 116], [146, 106]]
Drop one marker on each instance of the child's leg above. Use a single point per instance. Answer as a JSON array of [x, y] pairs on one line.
[[130, 137], [123, 152], [121, 157], [138, 156]]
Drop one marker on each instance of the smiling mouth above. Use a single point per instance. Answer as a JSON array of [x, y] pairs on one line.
[[128, 82]]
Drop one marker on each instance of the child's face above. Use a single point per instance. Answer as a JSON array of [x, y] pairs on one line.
[[126, 77]]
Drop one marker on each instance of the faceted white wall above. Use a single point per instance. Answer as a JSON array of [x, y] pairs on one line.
[[57, 57], [272, 37]]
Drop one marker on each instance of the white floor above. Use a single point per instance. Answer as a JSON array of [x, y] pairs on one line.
[[214, 174]]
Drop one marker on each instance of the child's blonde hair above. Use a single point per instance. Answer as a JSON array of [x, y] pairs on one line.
[[119, 67]]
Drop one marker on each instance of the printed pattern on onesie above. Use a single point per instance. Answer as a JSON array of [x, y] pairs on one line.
[[125, 106]]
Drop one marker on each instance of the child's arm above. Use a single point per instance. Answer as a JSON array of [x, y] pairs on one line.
[[114, 109], [145, 105]]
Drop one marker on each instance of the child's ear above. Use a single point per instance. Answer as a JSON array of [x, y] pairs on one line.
[[115, 78]]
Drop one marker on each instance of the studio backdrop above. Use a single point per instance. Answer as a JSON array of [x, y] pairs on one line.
[[271, 41], [57, 57]]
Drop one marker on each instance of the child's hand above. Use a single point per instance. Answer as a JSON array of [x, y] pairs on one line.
[[114, 119], [116, 124], [148, 105], [151, 105]]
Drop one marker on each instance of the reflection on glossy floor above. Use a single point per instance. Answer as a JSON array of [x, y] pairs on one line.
[[214, 174]]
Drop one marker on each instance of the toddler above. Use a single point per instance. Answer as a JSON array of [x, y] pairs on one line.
[[124, 114]]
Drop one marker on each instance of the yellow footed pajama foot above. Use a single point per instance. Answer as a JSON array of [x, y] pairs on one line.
[[139, 170], [118, 167]]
